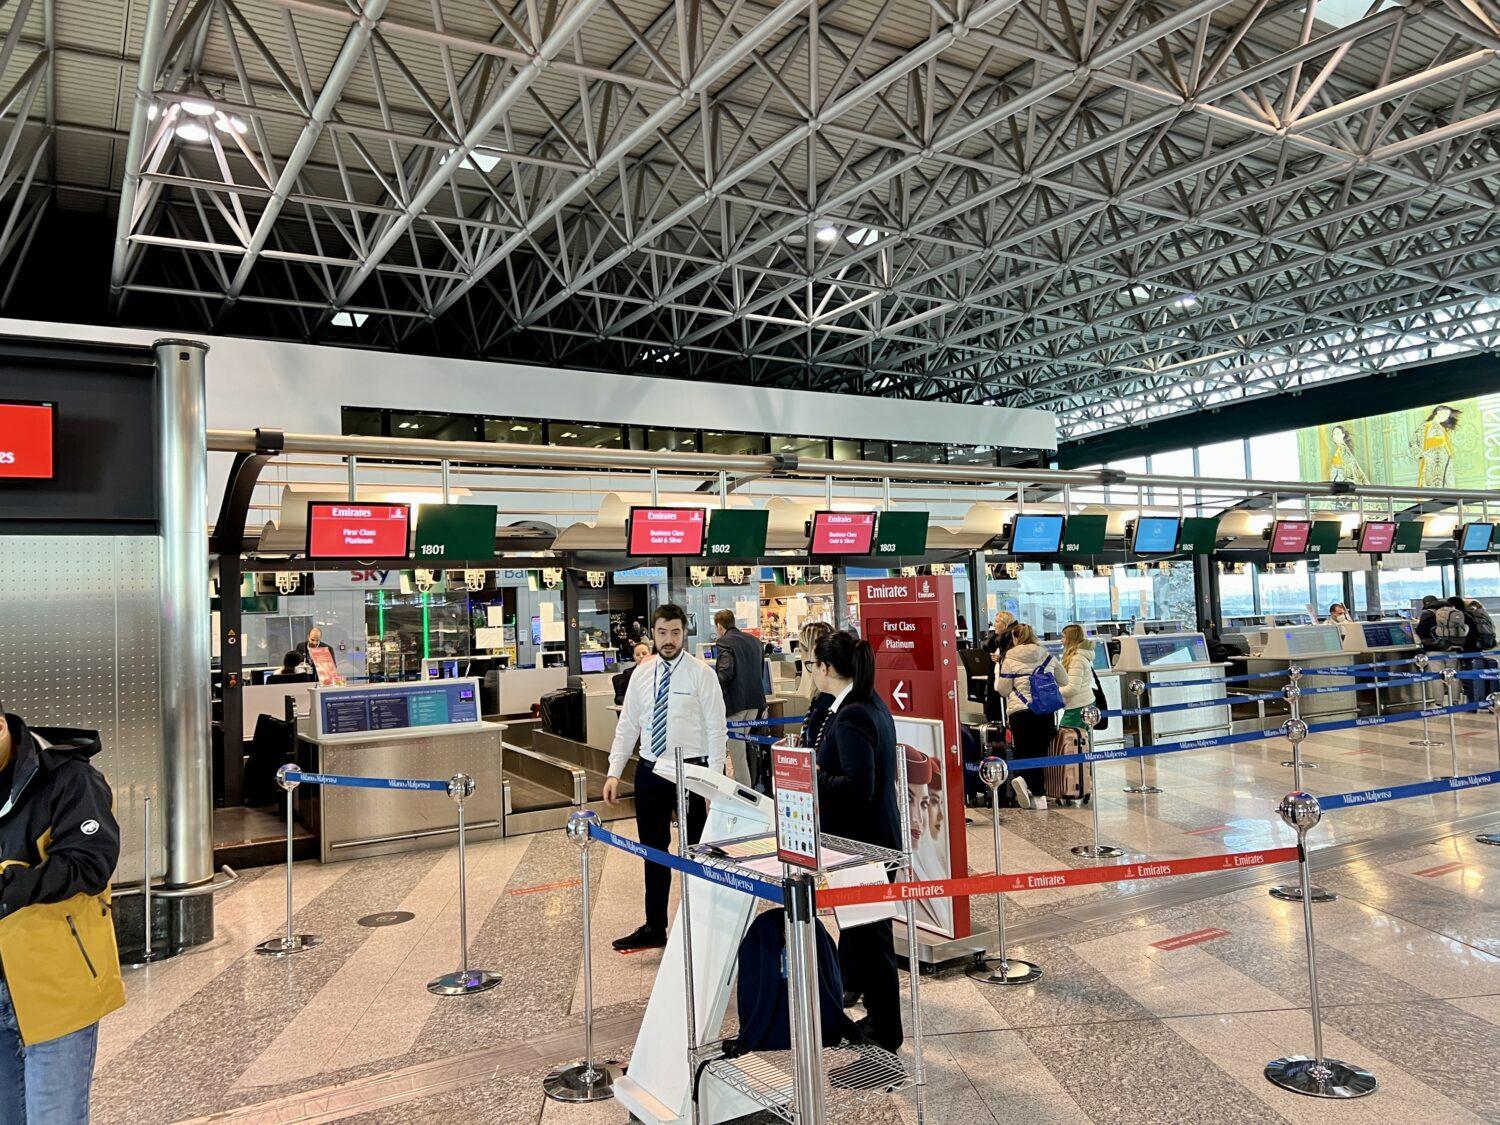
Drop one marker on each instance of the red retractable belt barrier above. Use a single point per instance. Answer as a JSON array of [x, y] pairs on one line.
[[1045, 880]]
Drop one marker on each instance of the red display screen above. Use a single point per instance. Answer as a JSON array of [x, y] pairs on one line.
[[1377, 537], [665, 531], [26, 430], [842, 533], [351, 530], [1289, 537]]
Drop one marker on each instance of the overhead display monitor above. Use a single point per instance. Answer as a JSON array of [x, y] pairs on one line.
[[1036, 535], [347, 530], [26, 438], [1155, 535], [1289, 537], [455, 532], [656, 532], [901, 534], [1376, 537], [737, 533], [842, 533], [1476, 538]]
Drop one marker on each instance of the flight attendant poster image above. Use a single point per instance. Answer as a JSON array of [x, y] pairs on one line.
[[911, 625]]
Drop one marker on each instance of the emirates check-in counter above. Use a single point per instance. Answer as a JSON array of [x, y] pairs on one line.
[[398, 730], [1160, 660], [1308, 647], [1377, 642]]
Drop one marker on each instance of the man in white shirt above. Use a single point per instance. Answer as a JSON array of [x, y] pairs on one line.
[[672, 701]]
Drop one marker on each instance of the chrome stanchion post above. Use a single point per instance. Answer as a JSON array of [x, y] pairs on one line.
[[289, 942], [1318, 1076], [146, 882], [1293, 694], [466, 981], [1138, 689], [1296, 732], [1421, 661], [1492, 701], [802, 998], [999, 969], [1096, 850], [1450, 694], [585, 1081]]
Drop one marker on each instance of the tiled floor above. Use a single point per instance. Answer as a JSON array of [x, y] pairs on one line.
[[1119, 1029]]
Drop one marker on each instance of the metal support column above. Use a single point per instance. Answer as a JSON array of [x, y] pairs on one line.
[[840, 598], [979, 590], [570, 621], [1372, 592], [1206, 591], [677, 581], [182, 472]]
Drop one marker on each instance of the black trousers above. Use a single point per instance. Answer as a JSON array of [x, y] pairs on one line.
[[655, 805], [1032, 735], [867, 960]]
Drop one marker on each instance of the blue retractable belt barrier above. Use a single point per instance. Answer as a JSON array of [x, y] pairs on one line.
[[758, 739], [1222, 701], [734, 880], [1210, 680], [1400, 792], [743, 724], [407, 784]]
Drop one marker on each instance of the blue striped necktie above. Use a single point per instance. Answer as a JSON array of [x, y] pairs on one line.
[[659, 713]]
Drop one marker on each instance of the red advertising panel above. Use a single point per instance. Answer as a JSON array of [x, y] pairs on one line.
[[665, 531], [1377, 537], [796, 806], [26, 440], [842, 533], [910, 623], [1289, 537], [351, 530]]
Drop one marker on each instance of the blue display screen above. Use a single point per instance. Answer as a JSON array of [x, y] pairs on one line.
[[399, 707], [1036, 535], [1156, 535], [1477, 537]]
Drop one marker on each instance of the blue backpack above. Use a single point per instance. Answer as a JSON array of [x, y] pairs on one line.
[[1046, 696]]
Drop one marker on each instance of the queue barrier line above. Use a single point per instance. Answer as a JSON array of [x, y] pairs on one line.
[[1049, 880], [398, 784], [1191, 705], [1361, 797], [734, 880], [746, 724]]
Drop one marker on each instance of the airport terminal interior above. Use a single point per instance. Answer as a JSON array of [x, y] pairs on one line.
[[625, 562]]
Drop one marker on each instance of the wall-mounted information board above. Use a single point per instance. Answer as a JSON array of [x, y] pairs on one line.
[[455, 532], [736, 533], [901, 533]]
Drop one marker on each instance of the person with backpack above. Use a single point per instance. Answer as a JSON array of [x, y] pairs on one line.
[[1083, 689], [1484, 629], [1032, 681], [1453, 616], [855, 745], [1427, 624]]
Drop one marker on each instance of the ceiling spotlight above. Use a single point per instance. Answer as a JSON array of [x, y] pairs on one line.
[[192, 132], [197, 108], [827, 233], [227, 123]]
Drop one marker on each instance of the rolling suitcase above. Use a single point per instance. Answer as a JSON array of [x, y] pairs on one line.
[[1070, 782]]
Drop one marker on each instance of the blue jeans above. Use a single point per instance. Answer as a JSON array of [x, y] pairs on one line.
[[46, 1083]]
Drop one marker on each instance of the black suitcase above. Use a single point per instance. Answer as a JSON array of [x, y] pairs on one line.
[[562, 713]]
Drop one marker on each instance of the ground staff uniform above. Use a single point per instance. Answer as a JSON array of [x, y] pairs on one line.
[[669, 703], [59, 844]]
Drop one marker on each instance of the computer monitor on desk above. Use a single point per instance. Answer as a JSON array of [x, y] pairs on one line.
[[552, 660], [591, 662]]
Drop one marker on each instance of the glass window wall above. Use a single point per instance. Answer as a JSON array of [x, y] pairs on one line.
[[517, 431], [434, 427], [846, 449], [916, 452], [583, 434], [733, 445], [800, 446], [1402, 590]]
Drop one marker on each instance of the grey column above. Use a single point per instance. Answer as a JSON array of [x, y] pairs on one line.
[[1372, 591], [840, 597], [979, 589], [181, 475]]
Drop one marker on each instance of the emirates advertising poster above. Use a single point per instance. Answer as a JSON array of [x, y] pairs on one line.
[[1449, 444]]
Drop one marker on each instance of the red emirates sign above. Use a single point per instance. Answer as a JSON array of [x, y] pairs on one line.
[[26, 430], [358, 531]]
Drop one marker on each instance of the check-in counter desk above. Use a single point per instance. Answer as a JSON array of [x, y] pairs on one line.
[[1378, 642], [1161, 659], [398, 730], [1111, 736], [1309, 647]]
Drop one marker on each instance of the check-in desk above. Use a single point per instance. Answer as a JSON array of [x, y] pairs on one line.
[[398, 730], [1308, 647], [1160, 659], [1378, 642], [1111, 736]]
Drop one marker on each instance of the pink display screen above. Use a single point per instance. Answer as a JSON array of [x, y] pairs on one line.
[[1377, 537], [666, 531], [358, 531], [842, 533], [1289, 537]]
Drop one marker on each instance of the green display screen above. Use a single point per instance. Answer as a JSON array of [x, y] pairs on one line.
[[736, 533], [1083, 535], [901, 533], [1409, 535], [1199, 534], [1324, 537], [455, 533]]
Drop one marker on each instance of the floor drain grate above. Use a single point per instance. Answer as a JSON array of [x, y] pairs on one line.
[[387, 918]]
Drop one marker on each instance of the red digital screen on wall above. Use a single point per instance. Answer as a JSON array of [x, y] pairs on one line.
[[842, 533], [1289, 537], [26, 430], [665, 531], [358, 531], [1377, 537]]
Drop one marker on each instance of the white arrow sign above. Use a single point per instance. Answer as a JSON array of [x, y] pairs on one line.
[[898, 693]]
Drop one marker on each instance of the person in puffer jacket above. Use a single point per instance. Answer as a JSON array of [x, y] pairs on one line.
[[59, 967], [1031, 734]]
